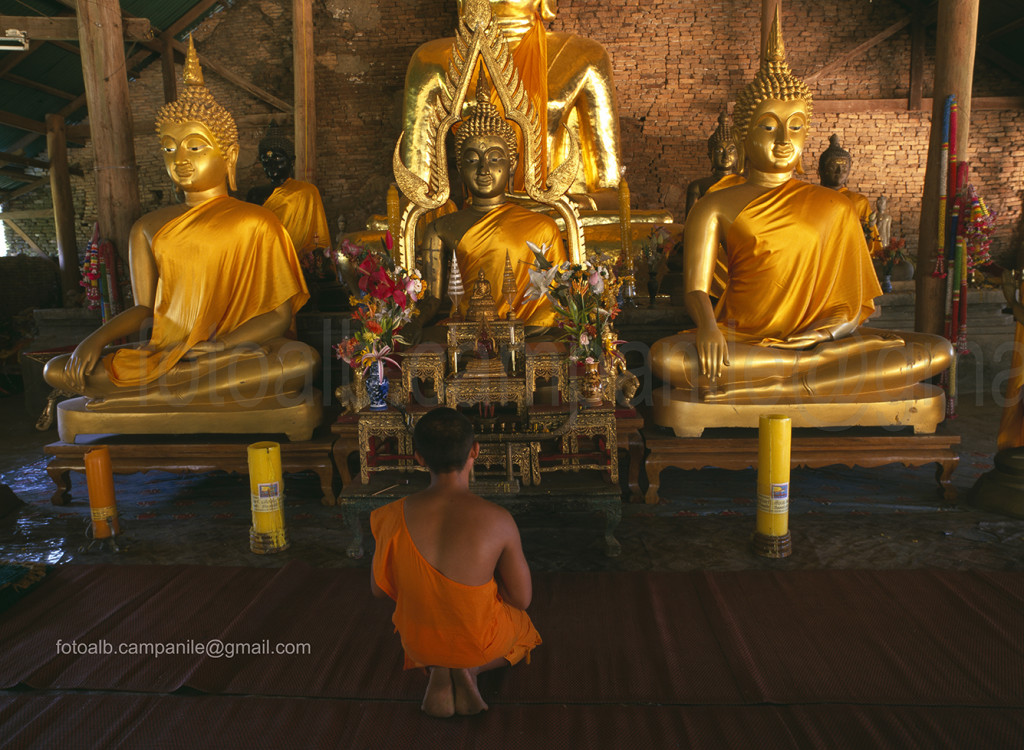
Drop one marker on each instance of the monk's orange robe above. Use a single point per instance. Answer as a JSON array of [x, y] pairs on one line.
[[483, 247], [220, 264], [299, 207], [443, 623], [797, 262], [863, 207]]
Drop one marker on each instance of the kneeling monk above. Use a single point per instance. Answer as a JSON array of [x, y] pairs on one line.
[[454, 565]]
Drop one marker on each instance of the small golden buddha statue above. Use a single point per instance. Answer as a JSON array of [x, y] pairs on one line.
[[481, 302], [296, 203], [787, 328], [723, 155], [217, 284], [492, 228], [567, 77]]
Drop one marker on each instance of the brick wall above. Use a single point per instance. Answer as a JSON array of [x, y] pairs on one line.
[[676, 63]]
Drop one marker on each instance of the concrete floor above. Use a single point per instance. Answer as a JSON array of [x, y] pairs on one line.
[[890, 517]]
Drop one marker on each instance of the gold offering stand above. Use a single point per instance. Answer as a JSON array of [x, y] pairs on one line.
[[489, 372]]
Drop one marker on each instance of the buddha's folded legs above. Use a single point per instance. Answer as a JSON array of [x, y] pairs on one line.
[[870, 361], [280, 372]]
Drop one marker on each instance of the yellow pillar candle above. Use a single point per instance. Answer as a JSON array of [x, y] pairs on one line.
[[99, 479], [266, 487], [772, 538]]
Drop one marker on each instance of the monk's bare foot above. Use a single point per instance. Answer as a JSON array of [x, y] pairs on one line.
[[468, 700], [439, 700]]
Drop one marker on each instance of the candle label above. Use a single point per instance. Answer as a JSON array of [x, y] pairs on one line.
[[777, 501], [104, 514], [267, 498]]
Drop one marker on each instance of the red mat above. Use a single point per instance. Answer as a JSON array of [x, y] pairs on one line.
[[925, 638], [156, 722]]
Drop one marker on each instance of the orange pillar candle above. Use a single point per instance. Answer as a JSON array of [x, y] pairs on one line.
[[99, 478], [772, 538], [266, 488], [395, 223]]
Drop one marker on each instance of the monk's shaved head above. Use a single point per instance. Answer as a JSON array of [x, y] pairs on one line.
[[443, 438]]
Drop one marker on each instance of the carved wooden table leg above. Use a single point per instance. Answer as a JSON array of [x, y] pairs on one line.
[[654, 469], [62, 479], [944, 476], [636, 458]]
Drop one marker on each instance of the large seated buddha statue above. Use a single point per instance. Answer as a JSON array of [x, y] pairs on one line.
[[491, 227], [216, 283], [480, 235], [787, 332], [296, 203], [568, 79]]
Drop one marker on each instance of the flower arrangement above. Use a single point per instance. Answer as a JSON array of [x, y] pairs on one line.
[[319, 264], [584, 296], [892, 254], [384, 300]]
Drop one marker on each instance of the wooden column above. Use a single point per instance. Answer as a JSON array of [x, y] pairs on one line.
[[167, 68], [305, 97], [955, 42], [768, 8], [63, 206], [916, 63], [101, 39]]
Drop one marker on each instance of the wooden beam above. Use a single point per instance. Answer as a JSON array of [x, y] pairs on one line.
[[190, 17], [65, 28], [21, 233], [997, 58], [28, 82], [209, 63], [64, 111], [67, 47], [10, 195], [956, 39], [63, 206], [110, 118], [22, 123], [6, 158], [860, 49], [32, 213], [305, 90], [167, 68], [1005, 103], [916, 92]]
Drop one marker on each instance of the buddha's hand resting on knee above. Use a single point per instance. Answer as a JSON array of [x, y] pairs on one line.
[[711, 351]]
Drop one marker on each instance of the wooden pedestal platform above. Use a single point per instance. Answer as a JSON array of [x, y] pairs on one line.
[[161, 454], [813, 450]]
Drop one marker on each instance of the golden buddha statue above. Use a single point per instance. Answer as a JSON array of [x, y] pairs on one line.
[[492, 228], [296, 203], [217, 284], [834, 166], [787, 328], [481, 301], [723, 155], [568, 79]]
